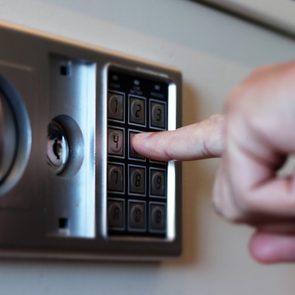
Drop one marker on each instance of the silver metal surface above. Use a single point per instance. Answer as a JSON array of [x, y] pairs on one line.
[[172, 178], [45, 213]]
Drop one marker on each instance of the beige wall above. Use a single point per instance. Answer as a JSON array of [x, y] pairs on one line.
[[213, 51]]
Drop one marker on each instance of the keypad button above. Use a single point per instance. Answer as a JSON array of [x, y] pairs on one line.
[[157, 220], [116, 142], [137, 216], [116, 214], [158, 116], [116, 106], [116, 178], [157, 182], [137, 180], [137, 110], [132, 152]]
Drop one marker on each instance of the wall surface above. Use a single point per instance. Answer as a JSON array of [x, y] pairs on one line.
[[213, 51]]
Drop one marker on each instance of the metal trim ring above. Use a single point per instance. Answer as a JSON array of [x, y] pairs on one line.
[[15, 136]]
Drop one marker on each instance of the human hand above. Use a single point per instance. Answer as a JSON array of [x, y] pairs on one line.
[[254, 137]]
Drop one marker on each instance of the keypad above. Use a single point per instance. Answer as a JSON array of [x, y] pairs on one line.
[[137, 186]]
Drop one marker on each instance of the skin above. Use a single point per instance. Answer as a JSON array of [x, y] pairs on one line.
[[253, 137]]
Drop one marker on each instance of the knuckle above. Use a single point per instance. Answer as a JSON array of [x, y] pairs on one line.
[[235, 100], [231, 207], [228, 212], [287, 204], [216, 119], [246, 205], [233, 213], [239, 96]]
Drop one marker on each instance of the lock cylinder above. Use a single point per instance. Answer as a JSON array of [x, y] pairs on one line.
[[65, 146], [8, 138]]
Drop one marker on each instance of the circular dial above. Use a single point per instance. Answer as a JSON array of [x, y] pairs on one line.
[[8, 138]]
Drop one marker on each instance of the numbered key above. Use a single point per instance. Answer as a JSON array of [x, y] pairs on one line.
[[116, 142], [137, 216], [137, 180], [116, 178], [116, 106], [158, 115], [116, 214], [157, 182], [137, 110], [157, 220]]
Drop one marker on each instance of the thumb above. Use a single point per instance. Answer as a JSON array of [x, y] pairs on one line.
[[267, 247], [197, 141]]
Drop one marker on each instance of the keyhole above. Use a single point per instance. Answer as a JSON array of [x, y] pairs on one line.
[[57, 148]]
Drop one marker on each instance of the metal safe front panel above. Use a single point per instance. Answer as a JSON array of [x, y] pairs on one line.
[[71, 185]]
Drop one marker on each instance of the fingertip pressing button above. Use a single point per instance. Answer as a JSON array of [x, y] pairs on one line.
[[132, 151]]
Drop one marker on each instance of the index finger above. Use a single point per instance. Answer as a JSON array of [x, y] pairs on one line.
[[197, 141]]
